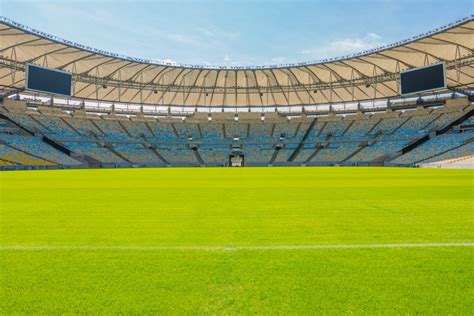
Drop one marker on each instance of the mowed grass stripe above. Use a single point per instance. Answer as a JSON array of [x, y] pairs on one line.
[[233, 248]]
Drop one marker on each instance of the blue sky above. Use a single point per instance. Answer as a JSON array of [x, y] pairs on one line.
[[236, 33]]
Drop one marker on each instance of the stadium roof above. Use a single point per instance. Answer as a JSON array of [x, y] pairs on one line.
[[369, 75]]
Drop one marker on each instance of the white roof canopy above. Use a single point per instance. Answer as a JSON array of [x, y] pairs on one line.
[[111, 77]]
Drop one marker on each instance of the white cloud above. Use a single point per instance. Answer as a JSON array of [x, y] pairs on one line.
[[230, 60], [206, 32], [374, 36], [182, 38], [217, 33], [278, 60], [166, 61], [344, 46]]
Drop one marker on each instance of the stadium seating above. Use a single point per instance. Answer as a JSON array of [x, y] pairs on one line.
[[121, 141], [301, 131], [27, 122], [163, 132], [4, 163], [8, 129], [315, 132], [94, 151], [137, 153], [36, 147], [304, 154], [469, 121], [287, 129], [378, 150], [112, 130], [178, 155], [84, 126], [283, 155], [57, 126], [137, 129], [236, 129], [433, 147], [186, 130], [260, 132], [443, 120], [461, 151], [359, 129], [335, 152], [416, 125], [388, 126], [213, 132], [214, 156], [334, 129], [10, 156], [258, 154]]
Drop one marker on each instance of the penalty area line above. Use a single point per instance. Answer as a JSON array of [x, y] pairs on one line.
[[249, 247]]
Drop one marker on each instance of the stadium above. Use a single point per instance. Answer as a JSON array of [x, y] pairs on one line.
[[118, 192]]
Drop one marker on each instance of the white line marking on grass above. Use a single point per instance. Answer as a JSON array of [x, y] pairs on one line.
[[231, 248]]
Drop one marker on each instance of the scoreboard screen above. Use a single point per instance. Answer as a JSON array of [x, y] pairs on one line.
[[427, 78], [48, 80]]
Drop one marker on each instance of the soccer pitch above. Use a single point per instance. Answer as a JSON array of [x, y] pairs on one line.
[[249, 240]]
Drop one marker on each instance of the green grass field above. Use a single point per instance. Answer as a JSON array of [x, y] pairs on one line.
[[133, 209]]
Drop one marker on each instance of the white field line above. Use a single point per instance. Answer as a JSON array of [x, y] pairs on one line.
[[230, 248]]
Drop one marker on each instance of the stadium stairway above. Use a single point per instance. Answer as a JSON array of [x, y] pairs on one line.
[[456, 122], [70, 126], [198, 156], [7, 163], [40, 124], [125, 129], [315, 152], [360, 148], [401, 125], [94, 135], [470, 140], [112, 150], [85, 162], [98, 127], [150, 129], [433, 120], [347, 128], [301, 144], [426, 137], [60, 147], [10, 156], [21, 128], [29, 154], [224, 134], [155, 151], [311, 141], [175, 130], [322, 129], [274, 156], [369, 132]]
